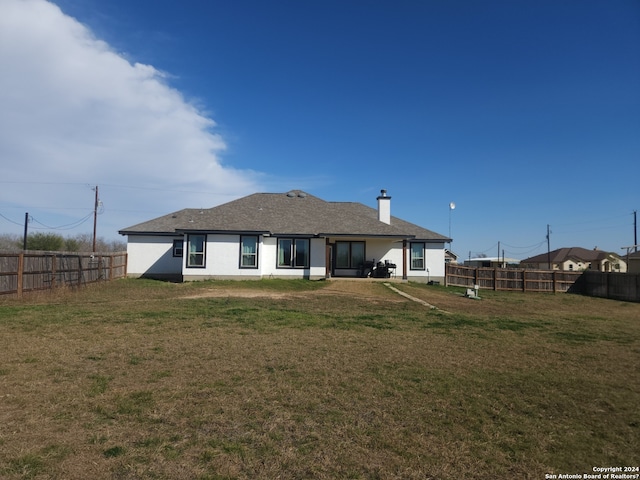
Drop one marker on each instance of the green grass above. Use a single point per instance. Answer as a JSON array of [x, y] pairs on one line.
[[143, 379]]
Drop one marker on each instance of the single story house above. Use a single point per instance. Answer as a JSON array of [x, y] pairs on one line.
[[289, 235], [450, 257], [576, 259]]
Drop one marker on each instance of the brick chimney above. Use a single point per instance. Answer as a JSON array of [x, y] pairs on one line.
[[384, 207]]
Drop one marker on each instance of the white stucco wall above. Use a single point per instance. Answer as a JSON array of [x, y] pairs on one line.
[[223, 260], [152, 255], [316, 268], [434, 262], [382, 250]]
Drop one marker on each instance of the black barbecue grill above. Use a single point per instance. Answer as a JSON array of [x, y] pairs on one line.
[[377, 270]]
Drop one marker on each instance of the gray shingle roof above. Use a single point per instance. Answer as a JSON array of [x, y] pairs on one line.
[[574, 253], [291, 213]]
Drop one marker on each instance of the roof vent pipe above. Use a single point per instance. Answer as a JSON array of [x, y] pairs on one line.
[[384, 207]]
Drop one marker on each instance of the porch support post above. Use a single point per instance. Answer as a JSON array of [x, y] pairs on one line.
[[327, 259], [404, 259]]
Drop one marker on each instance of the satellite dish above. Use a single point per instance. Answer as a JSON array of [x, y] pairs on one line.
[[452, 206]]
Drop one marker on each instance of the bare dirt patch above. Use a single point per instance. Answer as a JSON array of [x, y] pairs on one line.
[[235, 292], [362, 289]]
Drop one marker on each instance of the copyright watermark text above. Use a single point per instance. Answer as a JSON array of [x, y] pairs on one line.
[[599, 473]]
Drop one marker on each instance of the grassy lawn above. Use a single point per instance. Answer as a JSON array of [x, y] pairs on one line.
[[322, 380]]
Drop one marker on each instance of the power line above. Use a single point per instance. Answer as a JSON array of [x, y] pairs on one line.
[[40, 183], [490, 248], [68, 226], [130, 187], [44, 226], [524, 248], [594, 229], [10, 221], [48, 207], [593, 220], [533, 249]]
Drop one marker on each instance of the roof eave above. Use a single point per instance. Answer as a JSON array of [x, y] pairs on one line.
[[365, 235], [148, 232], [223, 232]]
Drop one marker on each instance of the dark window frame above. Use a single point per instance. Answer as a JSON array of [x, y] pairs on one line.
[[293, 253], [256, 254], [351, 266], [203, 253], [423, 258], [178, 248]]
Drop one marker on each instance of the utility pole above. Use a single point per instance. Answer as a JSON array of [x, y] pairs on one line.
[[95, 219], [549, 245], [498, 253], [635, 229], [452, 206], [26, 222]]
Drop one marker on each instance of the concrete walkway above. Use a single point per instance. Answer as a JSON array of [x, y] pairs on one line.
[[410, 297]]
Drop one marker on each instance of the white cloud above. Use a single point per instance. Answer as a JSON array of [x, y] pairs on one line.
[[72, 110]]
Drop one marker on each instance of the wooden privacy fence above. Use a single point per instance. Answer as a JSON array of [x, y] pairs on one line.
[[510, 279], [22, 272], [613, 285]]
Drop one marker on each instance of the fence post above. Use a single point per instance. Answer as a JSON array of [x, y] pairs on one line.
[[495, 279], [20, 274], [524, 280], [53, 271]]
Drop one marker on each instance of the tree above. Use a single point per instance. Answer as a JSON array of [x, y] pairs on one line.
[[50, 242], [53, 242], [10, 242], [71, 245], [85, 244]]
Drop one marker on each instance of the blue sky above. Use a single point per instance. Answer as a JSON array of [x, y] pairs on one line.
[[522, 113]]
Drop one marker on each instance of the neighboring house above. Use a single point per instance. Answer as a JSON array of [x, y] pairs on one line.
[[450, 257], [291, 235], [492, 262], [576, 259], [634, 262]]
